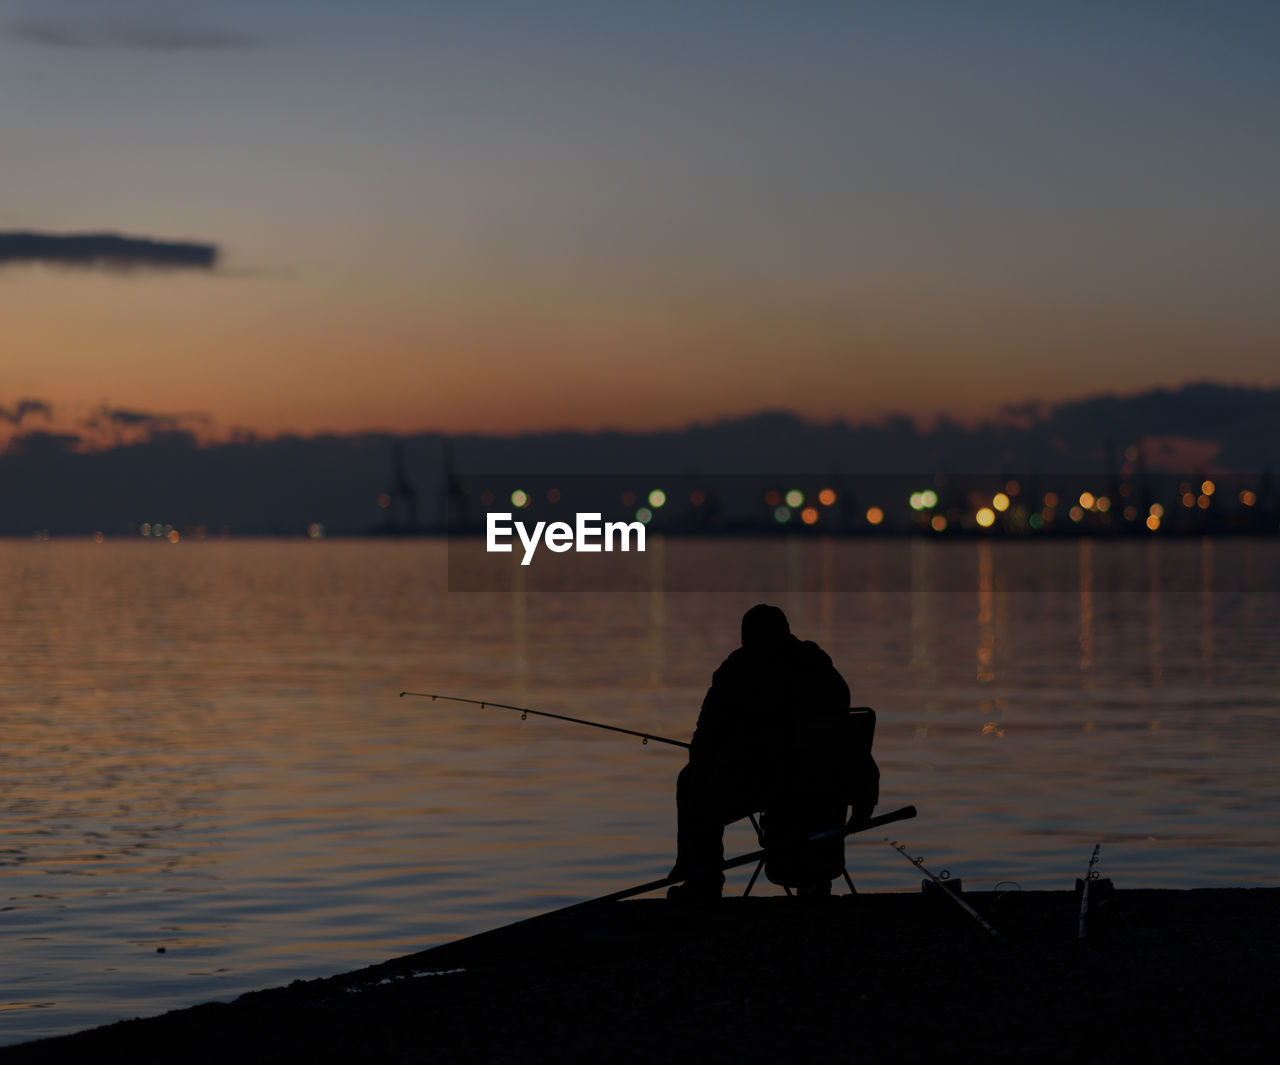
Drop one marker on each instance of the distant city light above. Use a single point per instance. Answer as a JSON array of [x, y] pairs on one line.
[[628, 498], [145, 528], [1086, 500], [1248, 498], [519, 498], [657, 498], [986, 517], [929, 498], [1208, 488], [1203, 502], [874, 515], [1103, 504], [553, 495], [1051, 499], [384, 500], [1012, 488], [174, 536], [826, 497], [1156, 510], [98, 537], [782, 515], [1035, 521], [315, 530], [1153, 522], [644, 515], [772, 498], [795, 498], [939, 523], [809, 515], [1075, 513], [1000, 502], [916, 502], [697, 497]]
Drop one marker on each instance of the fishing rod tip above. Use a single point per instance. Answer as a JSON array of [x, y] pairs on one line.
[[403, 694]]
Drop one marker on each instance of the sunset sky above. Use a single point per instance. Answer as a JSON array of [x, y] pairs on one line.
[[510, 216]]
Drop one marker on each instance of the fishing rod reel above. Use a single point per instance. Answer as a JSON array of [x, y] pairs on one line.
[[932, 889]]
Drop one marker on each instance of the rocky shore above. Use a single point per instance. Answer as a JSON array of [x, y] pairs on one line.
[[1172, 975]]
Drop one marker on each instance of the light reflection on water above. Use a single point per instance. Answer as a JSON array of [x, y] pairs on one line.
[[204, 750]]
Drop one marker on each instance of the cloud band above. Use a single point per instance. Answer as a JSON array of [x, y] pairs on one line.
[[109, 250]]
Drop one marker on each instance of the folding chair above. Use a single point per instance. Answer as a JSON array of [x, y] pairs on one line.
[[803, 827]]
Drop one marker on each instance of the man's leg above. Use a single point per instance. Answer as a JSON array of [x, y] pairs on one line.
[[706, 800]]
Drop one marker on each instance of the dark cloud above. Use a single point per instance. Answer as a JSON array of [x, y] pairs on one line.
[[154, 33], [38, 444], [118, 426], [134, 418], [109, 250], [14, 415], [149, 423]]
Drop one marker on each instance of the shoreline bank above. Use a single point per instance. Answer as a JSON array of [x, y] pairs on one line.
[[876, 977]]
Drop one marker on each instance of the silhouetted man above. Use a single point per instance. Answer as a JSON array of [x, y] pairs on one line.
[[749, 740]]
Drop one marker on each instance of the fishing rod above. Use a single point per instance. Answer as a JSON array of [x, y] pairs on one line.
[[524, 712], [1090, 874], [954, 896], [733, 863]]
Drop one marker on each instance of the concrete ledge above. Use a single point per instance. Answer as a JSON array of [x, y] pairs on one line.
[[876, 978]]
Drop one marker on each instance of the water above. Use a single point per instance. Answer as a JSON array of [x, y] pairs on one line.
[[204, 751]]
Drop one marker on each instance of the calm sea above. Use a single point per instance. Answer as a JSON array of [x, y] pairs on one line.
[[209, 784]]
